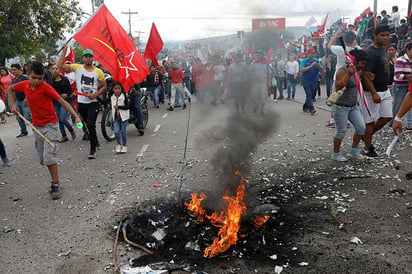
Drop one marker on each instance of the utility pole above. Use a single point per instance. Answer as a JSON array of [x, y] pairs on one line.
[[375, 6], [130, 21]]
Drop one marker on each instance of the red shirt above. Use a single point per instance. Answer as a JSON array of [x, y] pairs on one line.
[[40, 101], [176, 75]]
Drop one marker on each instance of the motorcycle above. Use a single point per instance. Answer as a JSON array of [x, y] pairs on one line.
[[107, 124]]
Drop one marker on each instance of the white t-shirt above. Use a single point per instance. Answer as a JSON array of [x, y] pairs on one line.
[[219, 72], [340, 57], [86, 82], [292, 67]]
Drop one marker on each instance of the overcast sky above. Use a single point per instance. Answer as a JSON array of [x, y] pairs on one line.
[[191, 19]]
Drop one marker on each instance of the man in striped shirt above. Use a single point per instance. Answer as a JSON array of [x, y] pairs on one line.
[[401, 81]]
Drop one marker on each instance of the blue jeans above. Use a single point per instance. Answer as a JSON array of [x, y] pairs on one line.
[[63, 116], [398, 94], [25, 111], [155, 94], [120, 127], [280, 80], [291, 88], [310, 91], [342, 115]]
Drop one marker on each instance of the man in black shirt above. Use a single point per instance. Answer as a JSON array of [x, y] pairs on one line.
[[378, 96], [153, 83]]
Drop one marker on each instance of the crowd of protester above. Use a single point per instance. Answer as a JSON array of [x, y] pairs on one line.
[[369, 60]]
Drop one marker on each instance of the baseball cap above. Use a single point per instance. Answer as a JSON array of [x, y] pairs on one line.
[[312, 50], [88, 51]]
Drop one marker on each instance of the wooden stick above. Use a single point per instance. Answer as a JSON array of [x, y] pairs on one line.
[[148, 251], [36, 130], [57, 53]]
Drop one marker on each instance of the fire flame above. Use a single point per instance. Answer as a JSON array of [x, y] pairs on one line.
[[228, 221], [260, 220]]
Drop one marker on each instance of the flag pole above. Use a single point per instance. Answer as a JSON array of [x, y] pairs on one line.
[[91, 17]]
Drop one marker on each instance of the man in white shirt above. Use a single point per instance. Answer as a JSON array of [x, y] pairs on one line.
[[292, 71]]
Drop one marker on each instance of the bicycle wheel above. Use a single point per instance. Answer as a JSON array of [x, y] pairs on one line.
[[107, 124]]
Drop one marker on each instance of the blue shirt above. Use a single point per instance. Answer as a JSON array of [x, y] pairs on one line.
[[310, 77]]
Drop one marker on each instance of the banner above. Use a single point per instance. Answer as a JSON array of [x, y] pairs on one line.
[[268, 24], [113, 48]]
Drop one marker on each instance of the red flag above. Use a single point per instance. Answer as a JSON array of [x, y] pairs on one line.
[[113, 48], [70, 56], [366, 11], [154, 45]]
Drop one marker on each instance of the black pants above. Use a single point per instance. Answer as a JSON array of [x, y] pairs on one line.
[[89, 114], [2, 150]]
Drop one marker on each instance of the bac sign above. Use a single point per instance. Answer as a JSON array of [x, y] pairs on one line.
[[268, 24]]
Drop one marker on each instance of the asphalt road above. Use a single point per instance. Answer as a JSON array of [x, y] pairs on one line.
[[76, 233]]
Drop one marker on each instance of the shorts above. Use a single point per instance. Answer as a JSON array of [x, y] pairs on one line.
[[47, 154], [381, 110]]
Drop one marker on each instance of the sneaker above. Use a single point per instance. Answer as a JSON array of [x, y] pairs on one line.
[[73, 134], [356, 155], [55, 191], [371, 152], [124, 150], [339, 158], [22, 135], [184, 106], [313, 112], [288, 98], [170, 108], [64, 139], [157, 106], [3, 121], [306, 110], [7, 162], [92, 155], [178, 106], [118, 148], [330, 124], [85, 137]]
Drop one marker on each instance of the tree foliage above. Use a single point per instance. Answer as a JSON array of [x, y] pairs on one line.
[[33, 27]]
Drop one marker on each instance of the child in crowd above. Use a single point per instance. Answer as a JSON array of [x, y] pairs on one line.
[[120, 112]]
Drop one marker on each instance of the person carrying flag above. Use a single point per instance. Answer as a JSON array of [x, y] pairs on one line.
[[90, 84]]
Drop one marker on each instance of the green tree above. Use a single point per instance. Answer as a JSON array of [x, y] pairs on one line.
[[33, 27]]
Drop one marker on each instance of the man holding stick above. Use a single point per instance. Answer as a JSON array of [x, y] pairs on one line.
[[40, 96]]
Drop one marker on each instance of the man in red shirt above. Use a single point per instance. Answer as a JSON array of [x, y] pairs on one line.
[[197, 72], [40, 96], [176, 75]]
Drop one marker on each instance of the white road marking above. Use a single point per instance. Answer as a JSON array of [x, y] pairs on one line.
[[156, 129], [142, 151], [164, 116]]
